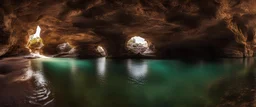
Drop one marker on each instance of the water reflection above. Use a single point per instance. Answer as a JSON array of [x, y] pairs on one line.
[[238, 88], [101, 67], [28, 73], [137, 70], [41, 94], [147, 83], [73, 66]]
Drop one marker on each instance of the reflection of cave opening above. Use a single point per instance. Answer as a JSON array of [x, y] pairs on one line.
[[101, 68], [139, 45], [101, 51], [137, 69], [41, 94]]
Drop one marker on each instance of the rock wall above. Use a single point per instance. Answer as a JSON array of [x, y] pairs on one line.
[[177, 28]]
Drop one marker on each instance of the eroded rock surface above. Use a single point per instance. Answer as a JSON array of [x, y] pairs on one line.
[[177, 28]]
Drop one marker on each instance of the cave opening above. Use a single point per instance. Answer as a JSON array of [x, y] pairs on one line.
[[101, 51], [35, 44], [139, 45]]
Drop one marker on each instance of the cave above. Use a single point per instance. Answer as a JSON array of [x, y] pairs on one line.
[[176, 28], [101, 51], [138, 45], [112, 53]]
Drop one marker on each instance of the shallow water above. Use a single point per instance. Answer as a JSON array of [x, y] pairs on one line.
[[130, 83]]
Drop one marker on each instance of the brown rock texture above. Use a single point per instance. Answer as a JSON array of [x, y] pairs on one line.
[[177, 28]]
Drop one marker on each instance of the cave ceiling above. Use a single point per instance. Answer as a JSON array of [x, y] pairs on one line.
[[175, 27]]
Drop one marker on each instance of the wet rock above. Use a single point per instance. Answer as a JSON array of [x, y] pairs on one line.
[[66, 50]]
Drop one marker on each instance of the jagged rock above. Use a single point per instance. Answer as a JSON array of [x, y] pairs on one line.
[[177, 28], [35, 44], [64, 47], [66, 50]]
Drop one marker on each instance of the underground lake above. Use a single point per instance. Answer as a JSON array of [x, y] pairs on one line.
[[127, 53], [103, 82]]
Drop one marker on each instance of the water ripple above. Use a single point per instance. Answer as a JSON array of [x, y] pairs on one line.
[[41, 95]]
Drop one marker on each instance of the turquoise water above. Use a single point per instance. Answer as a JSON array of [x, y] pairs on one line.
[[147, 83]]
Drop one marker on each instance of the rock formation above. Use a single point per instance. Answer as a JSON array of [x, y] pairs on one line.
[[177, 28]]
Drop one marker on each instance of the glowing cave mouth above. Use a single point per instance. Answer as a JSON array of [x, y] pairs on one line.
[[101, 51], [37, 34], [35, 43], [140, 40], [137, 45]]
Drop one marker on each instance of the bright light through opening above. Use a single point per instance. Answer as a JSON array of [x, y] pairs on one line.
[[37, 34], [35, 43], [137, 45], [140, 40], [101, 50]]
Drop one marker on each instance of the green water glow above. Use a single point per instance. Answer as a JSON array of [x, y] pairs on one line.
[[146, 83]]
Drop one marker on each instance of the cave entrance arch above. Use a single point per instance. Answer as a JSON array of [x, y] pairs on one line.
[[139, 45], [101, 51]]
